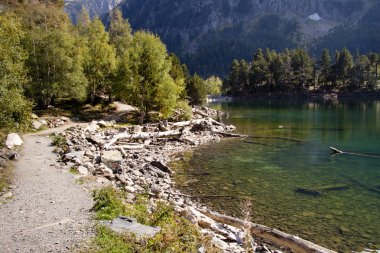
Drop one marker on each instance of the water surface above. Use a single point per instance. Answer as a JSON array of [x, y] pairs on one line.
[[270, 170]]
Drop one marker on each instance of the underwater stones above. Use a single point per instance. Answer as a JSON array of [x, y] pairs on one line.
[[344, 230]]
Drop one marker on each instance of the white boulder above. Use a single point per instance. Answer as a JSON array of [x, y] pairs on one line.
[[13, 139]]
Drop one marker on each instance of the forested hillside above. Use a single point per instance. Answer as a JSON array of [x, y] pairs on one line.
[[208, 35]]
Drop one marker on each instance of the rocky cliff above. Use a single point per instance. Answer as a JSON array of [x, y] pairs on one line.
[[94, 7]]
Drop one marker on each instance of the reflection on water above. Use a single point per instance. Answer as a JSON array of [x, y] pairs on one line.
[[343, 214]]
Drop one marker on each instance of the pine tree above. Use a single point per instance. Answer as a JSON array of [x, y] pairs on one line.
[[302, 66], [196, 89], [147, 82], [344, 65], [259, 72], [325, 67]]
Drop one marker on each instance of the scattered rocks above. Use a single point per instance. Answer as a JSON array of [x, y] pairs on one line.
[[136, 158]]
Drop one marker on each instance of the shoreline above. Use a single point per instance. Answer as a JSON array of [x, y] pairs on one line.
[[134, 158]]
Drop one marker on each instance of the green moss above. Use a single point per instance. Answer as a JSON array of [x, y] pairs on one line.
[[74, 171], [108, 204]]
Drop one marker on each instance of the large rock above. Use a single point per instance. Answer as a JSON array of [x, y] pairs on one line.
[[73, 155], [112, 158], [36, 125], [13, 139], [162, 166], [124, 224]]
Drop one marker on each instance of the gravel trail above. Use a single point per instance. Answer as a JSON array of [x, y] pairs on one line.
[[49, 211]]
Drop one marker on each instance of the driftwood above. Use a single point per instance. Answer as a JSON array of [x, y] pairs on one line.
[[141, 136], [201, 196], [262, 144], [278, 138], [336, 151], [278, 237]]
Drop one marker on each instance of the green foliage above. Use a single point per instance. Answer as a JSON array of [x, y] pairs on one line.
[[144, 78], [184, 111], [196, 90], [15, 110], [213, 85], [100, 61], [120, 32], [55, 60], [108, 204], [295, 71], [177, 234], [59, 140]]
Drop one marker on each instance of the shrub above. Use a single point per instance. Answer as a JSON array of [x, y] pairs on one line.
[[183, 111]]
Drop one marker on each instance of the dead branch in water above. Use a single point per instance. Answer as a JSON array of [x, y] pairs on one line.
[[273, 235]]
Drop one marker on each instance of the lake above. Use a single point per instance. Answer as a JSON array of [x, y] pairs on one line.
[[288, 173]]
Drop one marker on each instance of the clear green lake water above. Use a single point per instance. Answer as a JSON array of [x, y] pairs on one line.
[[268, 171]]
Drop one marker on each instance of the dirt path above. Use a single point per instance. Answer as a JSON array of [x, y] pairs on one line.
[[49, 211]]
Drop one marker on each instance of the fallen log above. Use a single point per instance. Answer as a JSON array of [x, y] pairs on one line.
[[273, 235], [336, 151], [132, 147], [310, 192], [278, 138], [141, 136]]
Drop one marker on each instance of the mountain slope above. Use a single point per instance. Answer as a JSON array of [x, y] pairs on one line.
[[208, 34], [94, 7]]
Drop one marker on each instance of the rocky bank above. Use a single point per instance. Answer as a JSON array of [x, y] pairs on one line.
[[135, 159]]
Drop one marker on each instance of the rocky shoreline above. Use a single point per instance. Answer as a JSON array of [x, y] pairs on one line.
[[134, 158]]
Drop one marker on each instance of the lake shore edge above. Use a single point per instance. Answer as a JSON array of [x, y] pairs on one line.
[[134, 158]]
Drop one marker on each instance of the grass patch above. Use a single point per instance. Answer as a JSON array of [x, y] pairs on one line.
[[74, 171], [6, 175], [177, 233]]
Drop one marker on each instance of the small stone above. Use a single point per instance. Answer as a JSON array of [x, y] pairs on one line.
[[83, 170], [7, 195], [130, 197], [130, 189], [136, 129], [102, 124]]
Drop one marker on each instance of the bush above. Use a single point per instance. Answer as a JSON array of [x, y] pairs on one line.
[[15, 110], [183, 111], [59, 141]]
